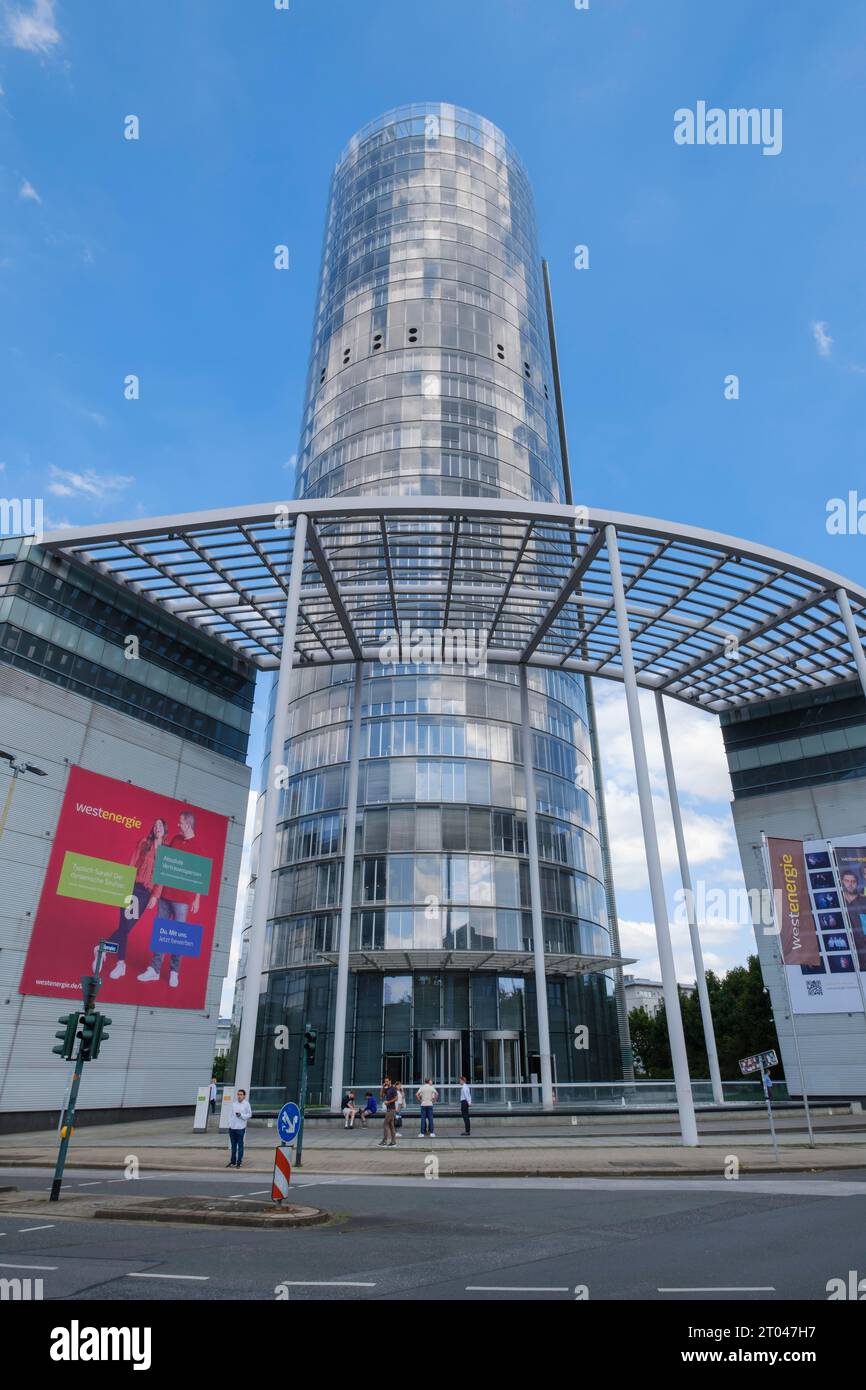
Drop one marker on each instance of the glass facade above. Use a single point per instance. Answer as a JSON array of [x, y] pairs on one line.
[[430, 374], [796, 741]]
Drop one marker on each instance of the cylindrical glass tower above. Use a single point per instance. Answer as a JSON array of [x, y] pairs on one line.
[[430, 373]]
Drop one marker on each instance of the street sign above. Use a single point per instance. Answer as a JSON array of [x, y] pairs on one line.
[[759, 1061], [282, 1175], [289, 1122]]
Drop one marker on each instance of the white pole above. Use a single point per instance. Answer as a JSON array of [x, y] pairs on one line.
[[694, 933], [346, 897], [682, 1081], [267, 841], [769, 1105], [853, 635], [535, 899]]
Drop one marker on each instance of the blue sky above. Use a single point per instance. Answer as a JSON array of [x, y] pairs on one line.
[[156, 257]]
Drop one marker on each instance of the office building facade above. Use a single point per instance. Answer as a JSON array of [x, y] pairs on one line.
[[172, 720], [798, 771], [431, 374]]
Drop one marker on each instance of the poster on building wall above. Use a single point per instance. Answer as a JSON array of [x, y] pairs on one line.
[[819, 890], [140, 870]]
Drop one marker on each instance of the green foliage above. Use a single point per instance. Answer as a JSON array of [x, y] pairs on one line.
[[741, 1017], [219, 1068]]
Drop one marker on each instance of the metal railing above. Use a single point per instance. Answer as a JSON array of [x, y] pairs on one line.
[[602, 1095]]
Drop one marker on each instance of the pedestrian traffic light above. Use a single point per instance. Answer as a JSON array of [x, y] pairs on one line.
[[100, 1023], [310, 1036], [66, 1048]]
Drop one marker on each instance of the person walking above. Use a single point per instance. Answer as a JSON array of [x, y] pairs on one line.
[[389, 1100], [212, 1095], [241, 1112], [465, 1102], [398, 1112], [427, 1095]]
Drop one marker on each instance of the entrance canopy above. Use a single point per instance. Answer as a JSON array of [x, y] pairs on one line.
[[715, 621], [390, 962]]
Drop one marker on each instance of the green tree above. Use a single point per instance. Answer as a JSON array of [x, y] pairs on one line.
[[742, 1022]]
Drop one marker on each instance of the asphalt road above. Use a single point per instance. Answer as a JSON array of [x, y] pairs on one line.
[[762, 1238]]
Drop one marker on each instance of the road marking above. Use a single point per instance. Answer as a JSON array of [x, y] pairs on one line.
[[517, 1288], [7, 1266], [725, 1288], [24, 1229], [326, 1284], [97, 1183], [136, 1275]]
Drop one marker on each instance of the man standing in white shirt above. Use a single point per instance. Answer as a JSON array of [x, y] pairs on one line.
[[465, 1102], [241, 1112], [427, 1094]]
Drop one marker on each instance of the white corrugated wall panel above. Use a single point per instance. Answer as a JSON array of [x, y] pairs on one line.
[[153, 1056]]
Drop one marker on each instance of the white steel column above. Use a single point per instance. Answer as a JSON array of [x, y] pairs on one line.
[[346, 897], [267, 840], [853, 635], [535, 898], [676, 1036], [686, 876]]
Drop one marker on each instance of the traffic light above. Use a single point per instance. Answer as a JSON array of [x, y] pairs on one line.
[[66, 1048], [100, 1022], [88, 1030], [310, 1036]]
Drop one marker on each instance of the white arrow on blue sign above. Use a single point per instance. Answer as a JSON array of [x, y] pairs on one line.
[[289, 1122]]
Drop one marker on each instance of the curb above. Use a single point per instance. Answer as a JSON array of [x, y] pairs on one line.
[[620, 1171], [276, 1220]]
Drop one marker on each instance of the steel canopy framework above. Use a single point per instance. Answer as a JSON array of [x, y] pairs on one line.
[[708, 619], [715, 621]]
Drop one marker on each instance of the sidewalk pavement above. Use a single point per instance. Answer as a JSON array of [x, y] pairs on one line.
[[170, 1145]]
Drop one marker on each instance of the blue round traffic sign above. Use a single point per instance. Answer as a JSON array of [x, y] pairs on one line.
[[289, 1122]]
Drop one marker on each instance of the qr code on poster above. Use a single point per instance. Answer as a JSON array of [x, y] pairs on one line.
[[814, 987]]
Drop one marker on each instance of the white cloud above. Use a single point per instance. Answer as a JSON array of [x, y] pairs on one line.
[[66, 483], [696, 739], [638, 940], [33, 29], [823, 341], [705, 795], [28, 192], [709, 838]]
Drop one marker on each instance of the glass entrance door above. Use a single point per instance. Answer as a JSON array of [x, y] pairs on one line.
[[442, 1062], [502, 1067]]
